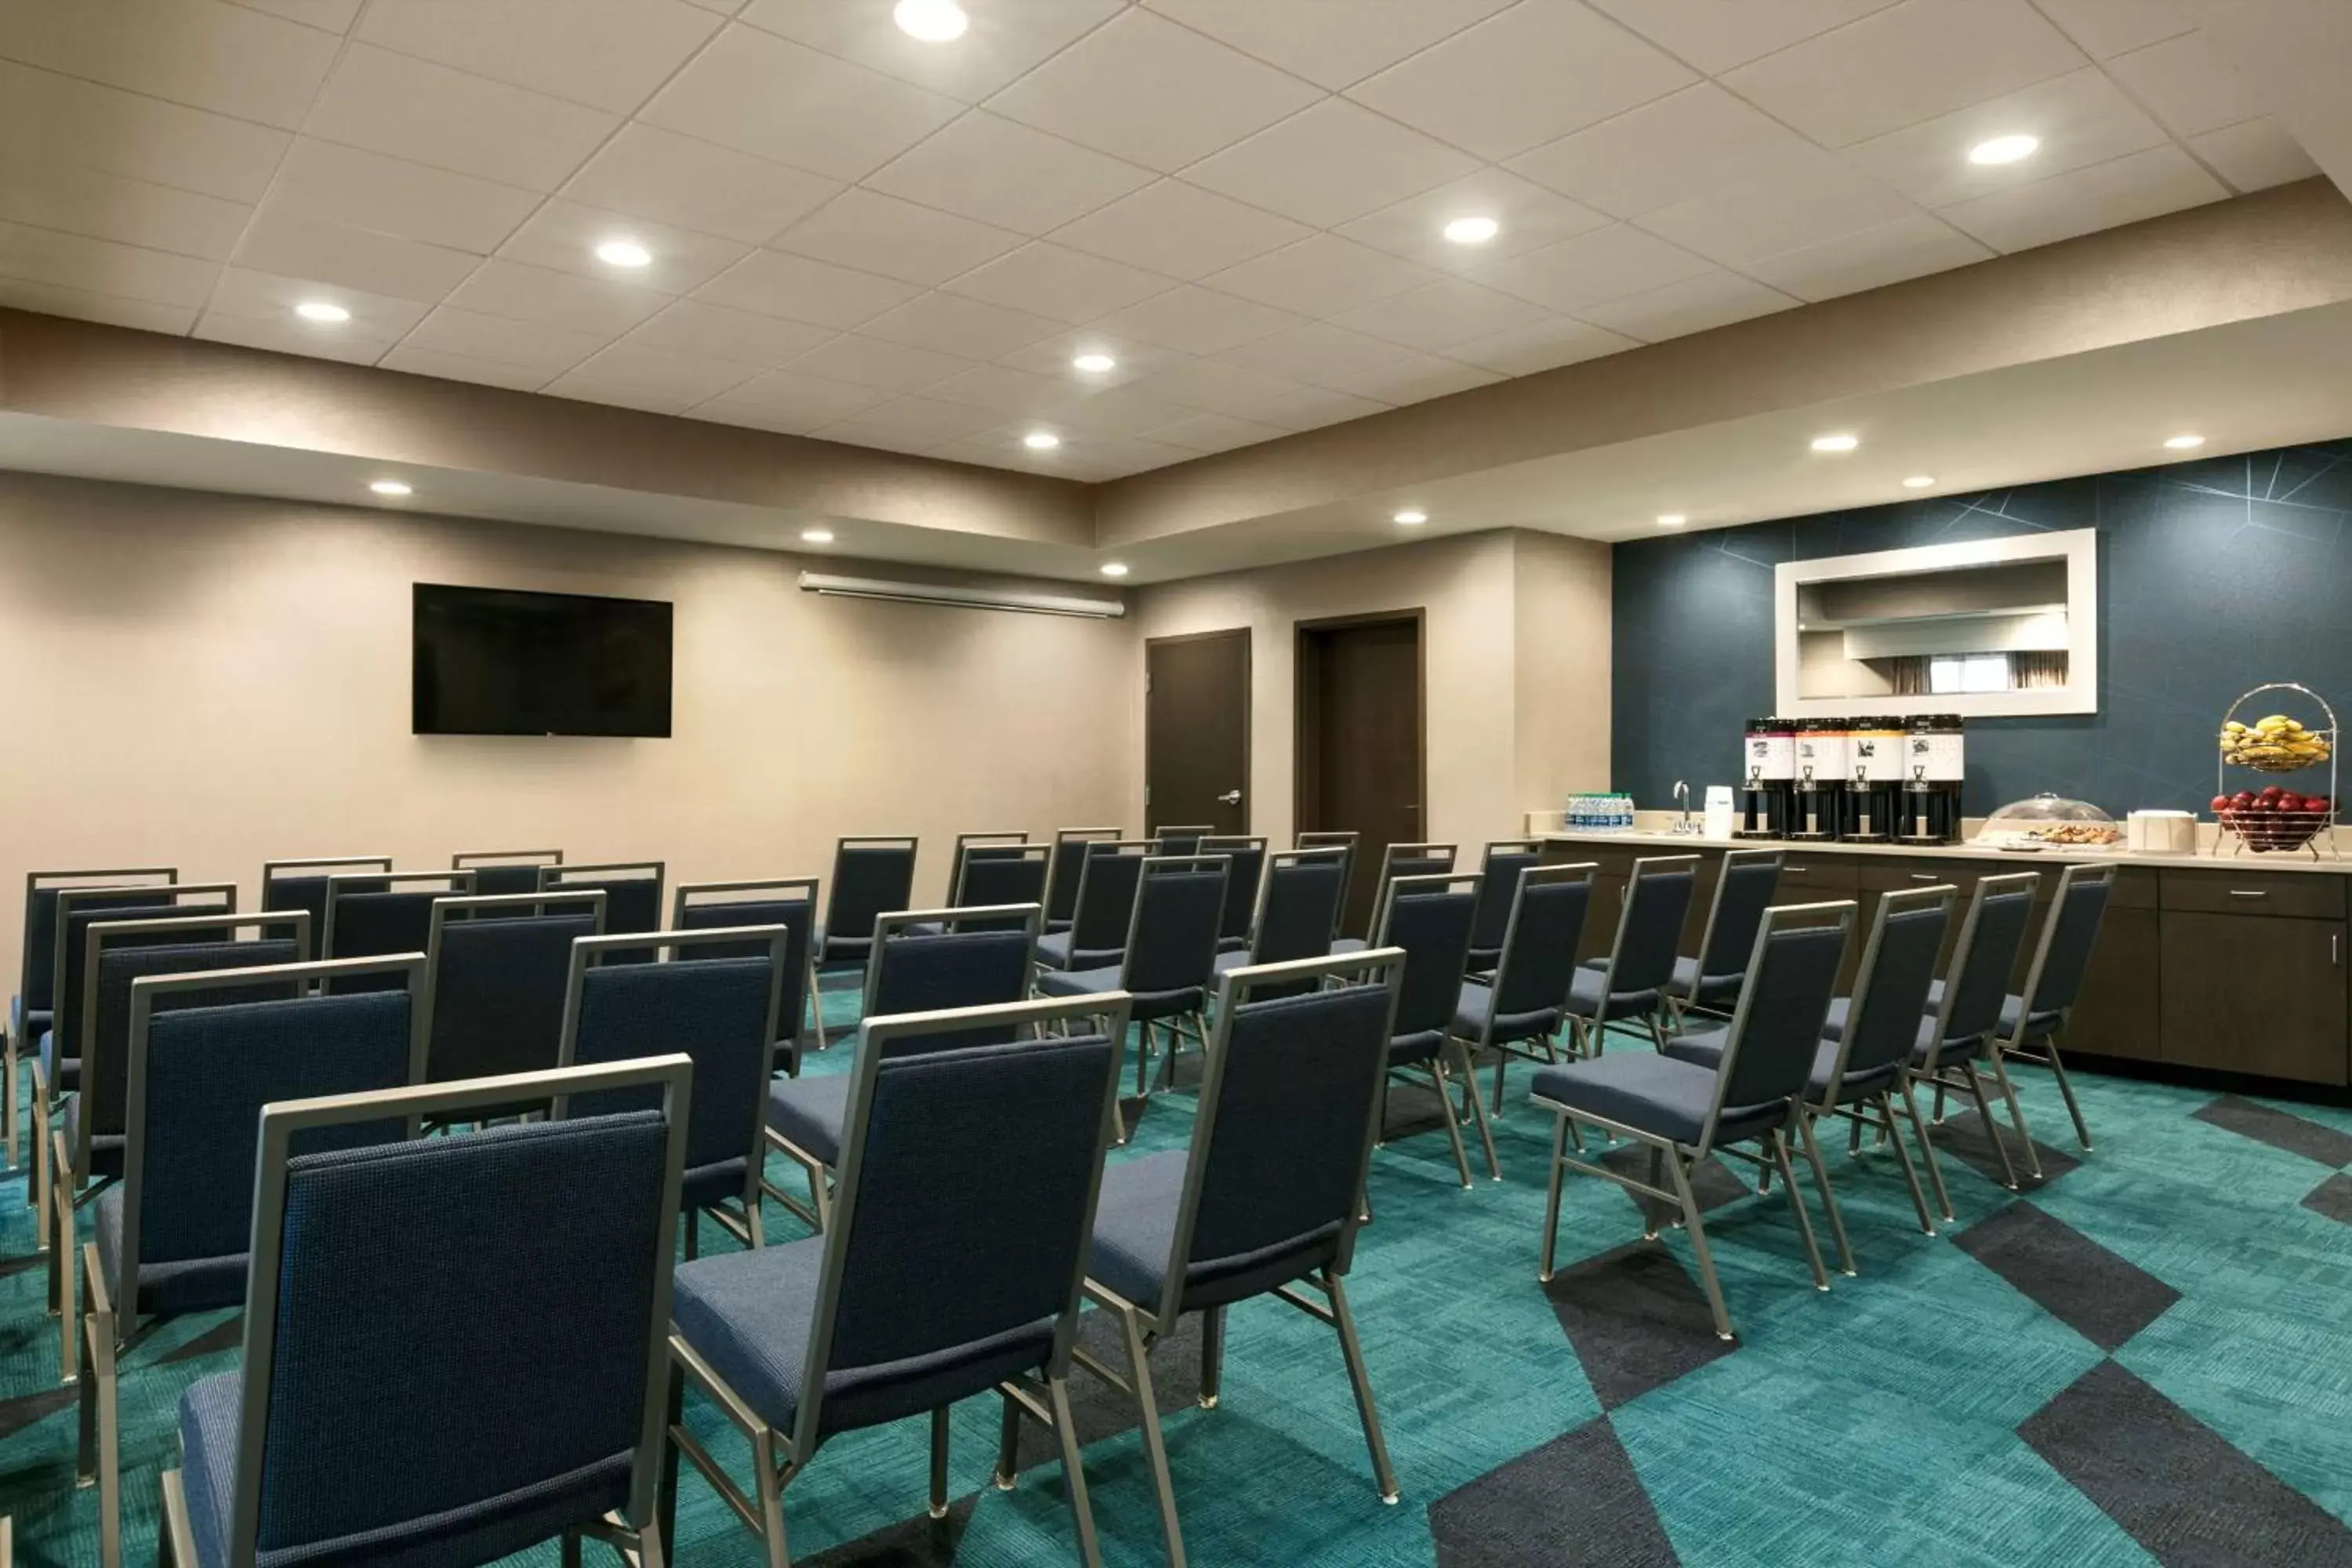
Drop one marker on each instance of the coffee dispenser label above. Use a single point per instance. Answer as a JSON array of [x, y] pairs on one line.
[[1937, 759], [1771, 757]]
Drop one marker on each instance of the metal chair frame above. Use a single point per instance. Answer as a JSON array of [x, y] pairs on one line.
[[1515, 846], [1396, 890], [20, 1018], [1961, 1074], [557, 878], [1678, 1008], [1231, 844], [2022, 1044], [1341, 838], [690, 895], [460, 885], [1485, 1041], [496, 904], [1065, 839], [912, 844], [467, 860], [1195, 831], [1275, 860], [1098, 849], [1587, 1037], [1161, 866]]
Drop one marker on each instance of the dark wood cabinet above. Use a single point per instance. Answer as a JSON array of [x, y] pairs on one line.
[[2254, 993], [2117, 1011]]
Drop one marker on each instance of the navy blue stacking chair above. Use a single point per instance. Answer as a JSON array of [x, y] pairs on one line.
[[1498, 871], [1299, 901], [1709, 980], [787, 902], [872, 876], [1267, 1198], [373, 915], [1069, 862], [1345, 840], [995, 868], [32, 1003], [910, 972], [633, 899], [302, 885], [1245, 854], [454, 1347], [971, 1163], [496, 968], [1104, 906], [1680, 1113], [1430, 919], [1177, 842], [207, 1051], [1517, 1010], [504, 870], [2062, 957], [1630, 986], [717, 998], [1402, 860], [1169, 961]]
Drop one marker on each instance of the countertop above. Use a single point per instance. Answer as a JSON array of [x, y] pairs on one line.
[[2242, 862]]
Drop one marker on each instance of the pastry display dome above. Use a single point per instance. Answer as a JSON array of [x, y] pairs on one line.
[[2050, 821]]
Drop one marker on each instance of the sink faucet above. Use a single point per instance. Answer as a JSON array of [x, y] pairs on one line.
[[1682, 798]]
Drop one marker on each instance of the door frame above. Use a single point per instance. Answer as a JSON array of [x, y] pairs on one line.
[[1249, 712], [1308, 712]]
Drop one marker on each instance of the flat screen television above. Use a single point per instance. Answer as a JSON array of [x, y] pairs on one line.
[[491, 661]]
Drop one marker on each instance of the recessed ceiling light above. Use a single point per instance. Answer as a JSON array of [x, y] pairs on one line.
[[624, 253], [1095, 363], [1411, 519], [390, 488], [1918, 481], [2184, 443], [933, 21], [321, 310], [1472, 230], [1836, 443], [1671, 520], [1041, 440], [2004, 149], [817, 535], [1113, 568]]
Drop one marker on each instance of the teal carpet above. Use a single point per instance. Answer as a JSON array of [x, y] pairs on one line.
[[2147, 1358]]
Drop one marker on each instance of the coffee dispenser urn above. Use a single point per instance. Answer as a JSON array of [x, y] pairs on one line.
[[1934, 770], [1873, 793], [1768, 784], [1824, 763]]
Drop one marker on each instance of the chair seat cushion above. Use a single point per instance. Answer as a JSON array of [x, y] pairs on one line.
[[1585, 1000], [810, 1113], [1348, 944], [208, 1418], [1231, 945], [1053, 949], [705, 1186], [1470, 1016], [1703, 1048], [1840, 1007], [1410, 1050], [165, 1286], [64, 1073], [1689, 985], [1135, 1225], [1077, 982], [2011, 1008], [1481, 960], [105, 1147], [1659, 1095]]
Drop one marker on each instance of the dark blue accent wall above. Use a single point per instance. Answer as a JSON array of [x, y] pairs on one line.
[[2214, 576]]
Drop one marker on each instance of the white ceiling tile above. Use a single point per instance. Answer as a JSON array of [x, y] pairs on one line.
[[114, 309], [669, 375], [1145, 89], [555, 299], [1818, 197], [102, 266], [1699, 140], [2255, 154], [2143, 186], [953, 324], [720, 332], [2187, 84], [1317, 353], [608, 54], [107, 207], [1607, 264], [1096, 459], [1715, 36], [1321, 276], [2082, 118], [203, 53], [1438, 315], [1312, 407], [565, 236], [1908, 63], [1002, 390], [1873, 258], [1529, 75], [1005, 38], [1417, 378], [1198, 320], [324, 181], [332, 15], [1068, 285], [1213, 385], [880, 234], [2109, 28], [1557, 343], [649, 173], [1123, 411], [378, 263], [1334, 43], [759, 93], [724, 8], [1329, 163], [911, 423], [1001, 448], [1179, 229], [870, 361], [266, 297], [287, 336], [1531, 215], [524, 345], [1692, 305], [461, 368], [1008, 174], [57, 121], [1050, 357], [800, 289], [1214, 433], [806, 401], [429, 114]]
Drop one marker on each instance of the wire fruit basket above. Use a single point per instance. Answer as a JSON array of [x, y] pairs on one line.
[[2276, 817]]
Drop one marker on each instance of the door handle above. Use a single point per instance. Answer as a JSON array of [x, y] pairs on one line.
[[1231, 797]]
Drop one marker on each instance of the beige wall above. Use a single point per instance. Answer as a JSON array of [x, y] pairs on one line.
[[1561, 632], [213, 680]]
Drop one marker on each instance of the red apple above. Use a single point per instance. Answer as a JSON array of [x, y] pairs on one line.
[[2242, 799], [2272, 792], [2220, 802], [2290, 801]]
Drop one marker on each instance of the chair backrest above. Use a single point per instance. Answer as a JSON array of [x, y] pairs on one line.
[[1498, 870], [1069, 863], [1743, 891], [1245, 854], [1547, 922], [208, 1051], [493, 1310], [1180, 841], [1650, 926], [722, 1011], [1416, 860], [36, 965], [1106, 904], [373, 916], [871, 877], [1776, 1027], [302, 885], [496, 967], [1290, 1104], [967, 1160], [1001, 874], [1297, 904], [2064, 954], [915, 971], [504, 870], [79, 909], [632, 897], [965, 843], [1430, 919], [787, 902], [1890, 989], [1172, 943], [1340, 838], [1991, 935]]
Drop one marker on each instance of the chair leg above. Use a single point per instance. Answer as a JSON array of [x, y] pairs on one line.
[[8, 1112], [1926, 1149], [1213, 1356], [61, 1276], [1351, 1348], [2057, 1070], [571, 1549], [41, 1227], [1478, 1114], [1829, 1196], [771, 1501], [940, 1462], [1143, 1060], [1155, 1451], [100, 1425], [1902, 1157], [1778, 1141], [1657, 1174], [1992, 1129], [1697, 1229], [2016, 1114], [1552, 1198], [1452, 1127], [1008, 1445], [1074, 1470]]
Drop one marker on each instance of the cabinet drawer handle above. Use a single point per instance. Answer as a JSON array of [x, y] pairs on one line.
[[2248, 893], [2335, 950], [1796, 871], [1922, 876]]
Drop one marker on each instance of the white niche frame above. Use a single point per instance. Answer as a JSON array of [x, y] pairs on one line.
[[2078, 548]]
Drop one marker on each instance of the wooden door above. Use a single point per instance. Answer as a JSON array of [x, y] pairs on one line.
[[1361, 752], [2254, 993], [1196, 713]]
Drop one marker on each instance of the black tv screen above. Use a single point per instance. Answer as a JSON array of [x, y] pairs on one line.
[[490, 661]]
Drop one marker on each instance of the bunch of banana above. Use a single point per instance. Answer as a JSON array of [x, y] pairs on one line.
[[2275, 744]]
